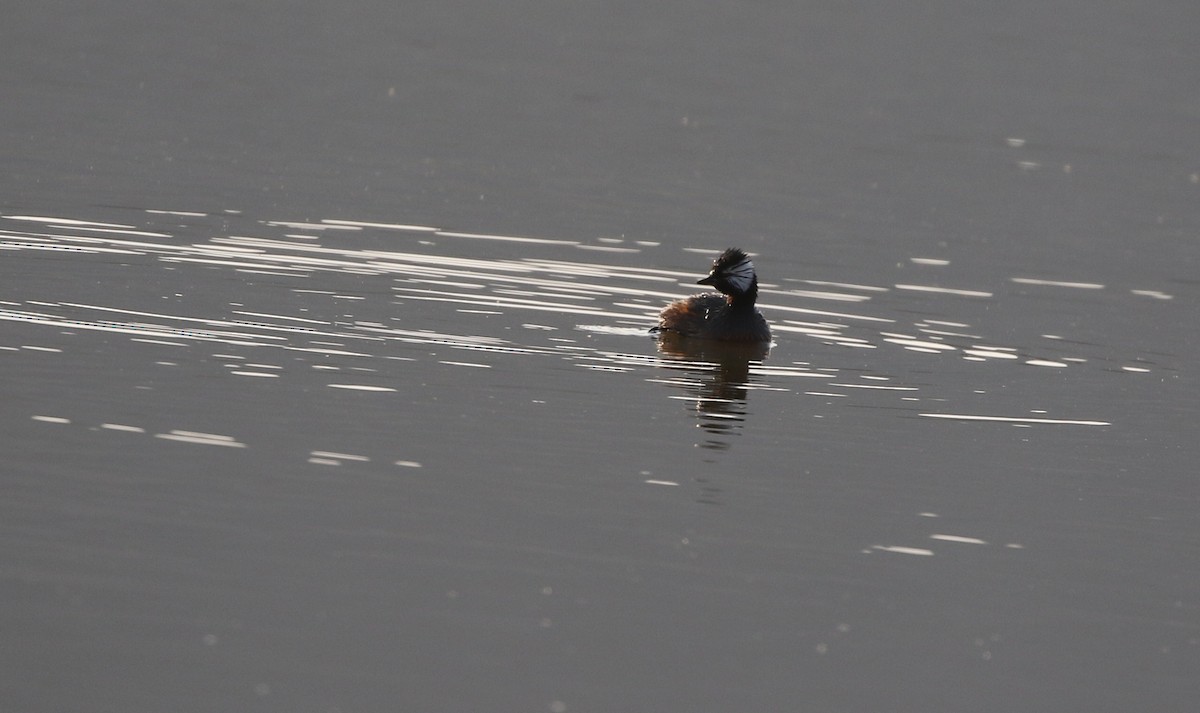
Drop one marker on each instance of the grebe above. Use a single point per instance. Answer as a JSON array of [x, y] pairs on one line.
[[728, 317]]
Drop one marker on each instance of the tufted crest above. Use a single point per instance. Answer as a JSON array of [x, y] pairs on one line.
[[734, 268]]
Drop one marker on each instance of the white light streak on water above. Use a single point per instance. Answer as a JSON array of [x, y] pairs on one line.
[[958, 538], [919, 551], [382, 226], [200, 438], [990, 354], [1156, 294], [876, 387], [340, 456], [944, 290], [1058, 283], [1016, 419]]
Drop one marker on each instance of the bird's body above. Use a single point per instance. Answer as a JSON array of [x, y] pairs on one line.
[[730, 316]]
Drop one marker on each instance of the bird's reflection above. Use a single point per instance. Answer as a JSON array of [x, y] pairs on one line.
[[721, 372]]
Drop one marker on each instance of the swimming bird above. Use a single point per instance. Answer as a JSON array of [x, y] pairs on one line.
[[730, 316]]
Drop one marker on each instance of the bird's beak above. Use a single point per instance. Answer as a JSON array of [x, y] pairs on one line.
[[710, 280]]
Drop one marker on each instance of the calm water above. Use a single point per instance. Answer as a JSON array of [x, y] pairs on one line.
[[328, 386]]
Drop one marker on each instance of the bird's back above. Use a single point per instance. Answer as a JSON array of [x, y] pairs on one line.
[[710, 316]]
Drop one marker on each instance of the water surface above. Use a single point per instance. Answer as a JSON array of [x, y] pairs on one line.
[[329, 385]]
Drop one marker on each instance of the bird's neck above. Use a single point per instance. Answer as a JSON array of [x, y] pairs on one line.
[[744, 300]]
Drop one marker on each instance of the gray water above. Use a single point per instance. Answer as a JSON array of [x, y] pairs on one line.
[[328, 386]]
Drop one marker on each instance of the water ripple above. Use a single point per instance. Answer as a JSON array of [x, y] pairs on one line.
[[608, 300]]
